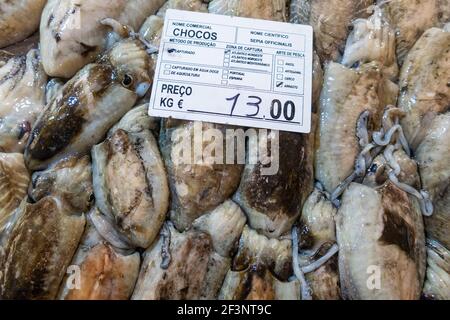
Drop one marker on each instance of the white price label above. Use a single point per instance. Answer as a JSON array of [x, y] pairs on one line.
[[231, 70]]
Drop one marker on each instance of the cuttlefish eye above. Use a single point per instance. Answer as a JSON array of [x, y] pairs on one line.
[[127, 80]]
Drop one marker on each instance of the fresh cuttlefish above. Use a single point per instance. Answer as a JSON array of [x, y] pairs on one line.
[[261, 270], [22, 47], [89, 104], [381, 243], [72, 32], [69, 178], [317, 79], [424, 83], [151, 29], [136, 209], [198, 182], [45, 234], [99, 271], [22, 91], [348, 95], [433, 158], [330, 21], [14, 179], [411, 18], [258, 9], [437, 282], [372, 39], [192, 264], [317, 232], [39, 249], [187, 5], [19, 19], [273, 200]]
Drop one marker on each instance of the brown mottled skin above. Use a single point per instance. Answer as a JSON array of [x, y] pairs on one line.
[[39, 250]]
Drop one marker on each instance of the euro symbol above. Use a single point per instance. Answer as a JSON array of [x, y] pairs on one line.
[[180, 104]]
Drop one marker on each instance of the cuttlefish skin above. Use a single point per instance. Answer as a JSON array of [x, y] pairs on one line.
[[89, 104], [70, 179], [105, 272], [193, 269], [258, 9], [19, 19], [273, 202], [72, 34], [433, 156], [437, 282], [14, 180], [199, 258], [22, 91], [424, 83], [330, 21], [196, 186], [139, 207], [39, 250], [317, 231], [381, 244], [345, 95], [412, 18]]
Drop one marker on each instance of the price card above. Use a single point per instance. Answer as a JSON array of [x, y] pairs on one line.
[[231, 70]]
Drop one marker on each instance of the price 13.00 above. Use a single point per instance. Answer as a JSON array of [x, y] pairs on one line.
[[278, 110]]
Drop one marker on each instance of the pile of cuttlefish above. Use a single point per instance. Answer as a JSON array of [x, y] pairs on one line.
[[95, 205]]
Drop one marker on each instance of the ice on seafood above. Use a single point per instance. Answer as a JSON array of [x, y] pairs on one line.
[[194, 271], [411, 18], [437, 282], [22, 90], [39, 249], [433, 158], [14, 179], [317, 235], [197, 185], [259, 9], [274, 201], [137, 208], [70, 179], [104, 272], [346, 95], [19, 19], [372, 39], [89, 104], [381, 243], [424, 83], [72, 33], [330, 21]]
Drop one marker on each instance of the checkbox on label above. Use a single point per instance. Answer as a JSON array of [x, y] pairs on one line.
[[280, 69], [227, 60], [224, 76], [167, 72], [280, 62], [227, 56], [167, 66], [279, 77], [224, 82], [225, 71], [226, 64]]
